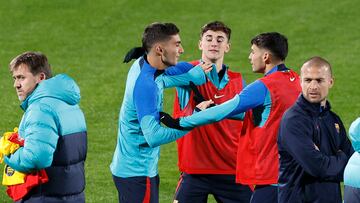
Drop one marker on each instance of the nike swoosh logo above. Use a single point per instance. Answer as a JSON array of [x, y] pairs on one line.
[[292, 79], [218, 96]]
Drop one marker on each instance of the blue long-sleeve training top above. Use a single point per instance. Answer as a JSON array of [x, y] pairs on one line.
[[140, 133]]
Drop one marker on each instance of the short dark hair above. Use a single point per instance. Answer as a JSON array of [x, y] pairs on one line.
[[216, 26], [36, 62], [275, 42], [158, 32]]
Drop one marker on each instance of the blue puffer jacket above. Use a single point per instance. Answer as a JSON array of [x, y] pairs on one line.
[[54, 130], [351, 173]]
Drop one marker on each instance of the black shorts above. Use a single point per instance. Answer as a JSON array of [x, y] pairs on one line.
[[265, 194], [139, 189], [196, 188]]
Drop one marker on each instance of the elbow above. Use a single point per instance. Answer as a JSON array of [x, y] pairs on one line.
[[44, 163], [42, 160], [151, 143]]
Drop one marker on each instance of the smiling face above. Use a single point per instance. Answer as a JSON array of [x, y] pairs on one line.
[[171, 50], [315, 83], [214, 45], [24, 81]]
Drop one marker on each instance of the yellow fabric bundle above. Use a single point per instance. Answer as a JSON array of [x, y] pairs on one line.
[[7, 147], [10, 176]]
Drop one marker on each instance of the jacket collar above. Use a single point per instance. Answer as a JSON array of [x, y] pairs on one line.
[[280, 67], [315, 109]]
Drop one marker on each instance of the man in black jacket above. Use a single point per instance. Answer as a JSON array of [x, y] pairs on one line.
[[312, 141]]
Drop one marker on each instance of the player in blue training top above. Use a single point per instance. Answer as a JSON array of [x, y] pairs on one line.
[[135, 162]]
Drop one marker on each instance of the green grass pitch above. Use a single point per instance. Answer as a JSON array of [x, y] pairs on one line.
[[88, 39]]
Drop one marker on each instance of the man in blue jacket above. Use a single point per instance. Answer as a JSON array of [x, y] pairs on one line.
[[312, 141], [53, 127]]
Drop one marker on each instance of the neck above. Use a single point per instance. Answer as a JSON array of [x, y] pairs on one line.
[[323, 103], [270, 66], [155, 61], [218, 63]]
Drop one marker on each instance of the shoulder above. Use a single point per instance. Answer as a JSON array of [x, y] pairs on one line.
[[42, 111], [256, 87], [136, 67], [294, 122], [233, 75], [295, 115], [145, 85], [335, 116], [46, 104]]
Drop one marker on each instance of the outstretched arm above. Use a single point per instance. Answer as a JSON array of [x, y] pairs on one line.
[[182, 75], [252, 96], [211, 115]]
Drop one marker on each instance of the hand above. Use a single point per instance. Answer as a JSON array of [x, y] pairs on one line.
[[207, 67], [205, 104], [169, 121]]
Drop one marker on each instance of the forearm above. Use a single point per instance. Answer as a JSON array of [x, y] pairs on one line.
[[334, 169], [156, 135], [313, 161], [26, 160], [210, 115], [37, 152], [196, 75]]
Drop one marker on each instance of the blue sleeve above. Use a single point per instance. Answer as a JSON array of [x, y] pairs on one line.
[[195, 75], [146, 98], [295, 136], [156, 135], [251, 96], [147, 107], [179, 68], [211, 115], [41, 138]]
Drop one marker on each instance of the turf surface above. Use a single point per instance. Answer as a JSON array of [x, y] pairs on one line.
[[88, 39]]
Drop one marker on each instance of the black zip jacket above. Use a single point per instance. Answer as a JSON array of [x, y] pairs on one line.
[[314, 151]]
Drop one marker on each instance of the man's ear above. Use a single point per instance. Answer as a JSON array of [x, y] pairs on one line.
[[158, 49], [267, 57], [332, 80], [200, 45], [41, 77], [227, 49]]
